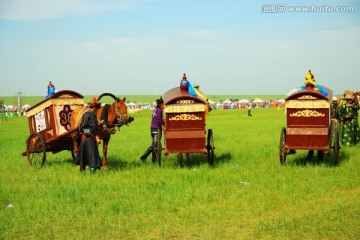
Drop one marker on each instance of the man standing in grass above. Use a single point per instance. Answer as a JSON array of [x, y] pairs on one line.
[[348, 114], [88, 150], [157, 123], [249, 111]]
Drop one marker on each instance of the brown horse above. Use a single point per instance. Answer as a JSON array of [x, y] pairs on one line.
[[109, 117]]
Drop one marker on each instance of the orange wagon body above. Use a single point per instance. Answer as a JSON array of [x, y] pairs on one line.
[[49, 125]]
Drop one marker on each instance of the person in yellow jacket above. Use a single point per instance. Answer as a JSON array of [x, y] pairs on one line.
[[202, 96], [310, 83], [199, 93]]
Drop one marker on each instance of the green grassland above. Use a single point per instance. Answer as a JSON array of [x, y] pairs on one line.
[[246, 195]]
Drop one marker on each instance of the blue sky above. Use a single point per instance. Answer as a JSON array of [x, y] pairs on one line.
[[144, 46]]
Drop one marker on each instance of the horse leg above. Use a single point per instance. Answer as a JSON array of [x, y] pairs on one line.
[[75, 150], [105, 147], [76, 146]]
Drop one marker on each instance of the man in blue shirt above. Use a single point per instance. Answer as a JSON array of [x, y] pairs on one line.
[[51, 90]]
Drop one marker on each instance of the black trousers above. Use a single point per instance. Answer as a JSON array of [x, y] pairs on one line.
[[155, 135]]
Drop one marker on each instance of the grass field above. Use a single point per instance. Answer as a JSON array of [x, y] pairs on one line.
[[246, 195]]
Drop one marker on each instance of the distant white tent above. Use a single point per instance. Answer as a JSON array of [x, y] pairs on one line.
[[244, 101], [25, 107], [258, 100], [8, 108], [131, 104]]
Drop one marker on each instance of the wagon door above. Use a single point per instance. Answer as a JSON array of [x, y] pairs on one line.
[[308, 119], [185, 127]]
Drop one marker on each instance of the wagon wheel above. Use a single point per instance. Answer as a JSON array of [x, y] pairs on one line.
[[335, 141], [210, 147], [282, 152], [36, 150], [157, 149]]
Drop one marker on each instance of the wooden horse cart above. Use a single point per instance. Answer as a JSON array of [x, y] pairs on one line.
[[309, 125], [185, 126], [49, 125]]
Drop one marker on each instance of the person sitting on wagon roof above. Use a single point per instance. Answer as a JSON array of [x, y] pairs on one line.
[[51, 90], [310, 83], [202, 96]]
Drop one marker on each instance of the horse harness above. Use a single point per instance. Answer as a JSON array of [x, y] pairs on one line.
[[120, 119]]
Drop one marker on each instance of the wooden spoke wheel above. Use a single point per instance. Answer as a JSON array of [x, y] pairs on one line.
[[157, 149], [210, 147], [36, 150], [282, 152]]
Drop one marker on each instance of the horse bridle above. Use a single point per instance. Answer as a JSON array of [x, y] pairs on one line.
[[121, 118]]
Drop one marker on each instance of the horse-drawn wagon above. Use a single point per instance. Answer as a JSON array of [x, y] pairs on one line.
[[49, 125], [185, 126], [309, 125]]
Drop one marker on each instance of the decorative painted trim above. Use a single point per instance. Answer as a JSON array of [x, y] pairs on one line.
[[307, 104], [305, 97], [40, 121], [56, 102], [64, 117], [178, 108], [185, 117], [185, 101], [66, 96], [307, 113], [50, 132]]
